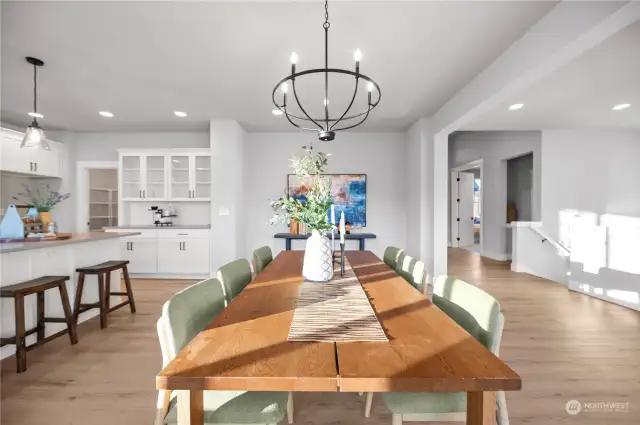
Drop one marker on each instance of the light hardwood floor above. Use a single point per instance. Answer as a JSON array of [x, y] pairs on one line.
[[564, 345]]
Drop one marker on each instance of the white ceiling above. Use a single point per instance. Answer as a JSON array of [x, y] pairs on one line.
[[142, 61], [581, 94]]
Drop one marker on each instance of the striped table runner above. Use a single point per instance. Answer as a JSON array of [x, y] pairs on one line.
[[335, 311]]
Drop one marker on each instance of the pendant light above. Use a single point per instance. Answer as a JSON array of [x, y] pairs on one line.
[[327, 125], [34, 136]]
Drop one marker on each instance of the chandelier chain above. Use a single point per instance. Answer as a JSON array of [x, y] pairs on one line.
[[35, 90], [326, 24]]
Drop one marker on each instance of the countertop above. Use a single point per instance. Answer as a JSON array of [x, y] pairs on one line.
[[75, 238], [154, 227]]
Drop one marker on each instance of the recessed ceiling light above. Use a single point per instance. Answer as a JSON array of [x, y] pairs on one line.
[[35, 115], [180, 114], [516, 106], [106, 114], [276, 112], [621, 106]]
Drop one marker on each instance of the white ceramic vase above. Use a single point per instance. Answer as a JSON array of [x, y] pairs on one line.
[[318, 264]]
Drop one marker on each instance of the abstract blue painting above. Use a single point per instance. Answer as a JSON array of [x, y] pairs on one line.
[[349, 192]]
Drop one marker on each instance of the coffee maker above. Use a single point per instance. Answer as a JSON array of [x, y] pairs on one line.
[[162, 217]]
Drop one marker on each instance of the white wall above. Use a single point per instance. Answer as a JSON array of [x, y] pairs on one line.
[[228, 172], [104, 146], [379, 155], [495, 148], [591, 174], [413, 186]]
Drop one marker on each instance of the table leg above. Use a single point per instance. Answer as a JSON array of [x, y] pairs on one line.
[[288, 244], [361, 244], [481, 408], [190, 408]]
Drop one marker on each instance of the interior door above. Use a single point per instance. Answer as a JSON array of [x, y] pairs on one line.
[[464, 202]]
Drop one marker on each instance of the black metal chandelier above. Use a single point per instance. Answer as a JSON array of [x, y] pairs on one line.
[[328, 125]]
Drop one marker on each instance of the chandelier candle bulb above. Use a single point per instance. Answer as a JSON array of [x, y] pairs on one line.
[[284, 87], [357, 56], [294, 60]]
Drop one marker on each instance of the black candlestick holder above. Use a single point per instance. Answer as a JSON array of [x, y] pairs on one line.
[[342, 259]]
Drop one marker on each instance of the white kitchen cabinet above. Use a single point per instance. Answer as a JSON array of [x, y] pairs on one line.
[[190, 176], [167, 252], [31, 161], [141, 253], [183, 256], [143, 176]]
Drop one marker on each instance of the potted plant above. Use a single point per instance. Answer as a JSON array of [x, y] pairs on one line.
[[311, 210], [43, 201]]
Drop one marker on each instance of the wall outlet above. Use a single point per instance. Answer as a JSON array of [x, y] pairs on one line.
[[222, 211]]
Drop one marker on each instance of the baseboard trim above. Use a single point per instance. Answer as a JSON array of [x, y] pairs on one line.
[[575, 286], [169, 276], [495, 256]]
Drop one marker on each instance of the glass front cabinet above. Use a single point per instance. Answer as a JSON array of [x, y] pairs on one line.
[[171, 175], [190, 177], [143, 177]]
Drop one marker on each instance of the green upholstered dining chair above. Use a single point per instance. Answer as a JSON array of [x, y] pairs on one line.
[[479, 314], [261, 259], [234, 277], [390, 257], [413, 271], [183, 317]]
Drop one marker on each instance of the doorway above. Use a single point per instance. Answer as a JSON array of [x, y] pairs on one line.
[[97, 200], [466, 207]]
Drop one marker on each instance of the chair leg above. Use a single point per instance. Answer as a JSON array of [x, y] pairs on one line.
[[103, 310], [502, 415], [396, 419], [21, 349], [78, 300], [290, 408], [162, 407], [107, 291], [66, 307], [127, 283], [367, 406], [40, 310]]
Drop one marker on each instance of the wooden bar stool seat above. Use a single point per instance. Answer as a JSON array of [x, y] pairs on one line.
[[103, 271], [37, 286]]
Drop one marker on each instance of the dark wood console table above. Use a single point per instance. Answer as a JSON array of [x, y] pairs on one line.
[[361, 237]]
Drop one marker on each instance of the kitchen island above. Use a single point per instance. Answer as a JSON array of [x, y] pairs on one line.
[[22, 261]]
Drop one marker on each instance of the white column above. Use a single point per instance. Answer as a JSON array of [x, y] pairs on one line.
[[440, 202], [227, 189]]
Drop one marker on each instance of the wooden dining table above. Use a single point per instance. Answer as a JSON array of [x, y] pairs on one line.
[[246, 347]]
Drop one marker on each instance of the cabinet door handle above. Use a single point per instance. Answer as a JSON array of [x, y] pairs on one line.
[[184, 246], [36, 165], [131, 246], [183, 234], [144, 193], [30, 166], [180, 246]]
